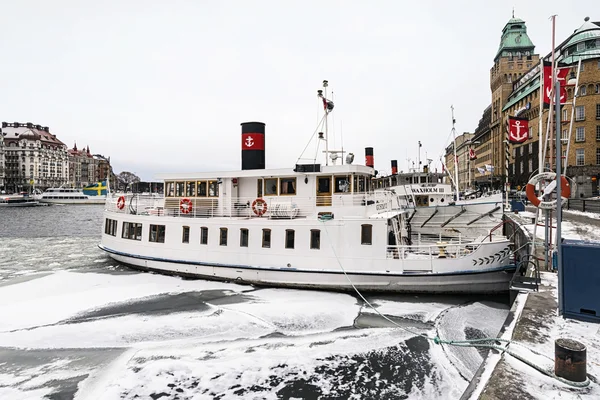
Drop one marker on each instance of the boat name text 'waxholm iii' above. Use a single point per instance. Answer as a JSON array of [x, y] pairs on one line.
[[427, 190]]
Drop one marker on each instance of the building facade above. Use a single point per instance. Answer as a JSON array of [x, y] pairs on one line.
[[465, 164], [515, 56], [2, 162], [33, 157], [582, 121]]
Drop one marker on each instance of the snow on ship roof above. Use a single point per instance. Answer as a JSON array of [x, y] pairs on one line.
[[331, 169]]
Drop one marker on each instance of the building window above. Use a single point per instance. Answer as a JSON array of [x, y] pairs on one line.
[[289, 238], [213, 189], [521, 169], [598, 86], [266, 238], [204, 235], [179, 189], [201, 188], [315, 239], [580, 134], [530, 132], [580, 46], [190, 189], [243, 237], [366, 234], [579, 157], [530, 147], [582, 67], [597, 111], [579, 113], [185, 234], [110, 227], [582, 90], [157, 234], [223, 237], [565, 117], [288, 185], [132, 230], [530, 166], [271, 187], [598, 133], [598, 156], [564, 135], [259, 188]]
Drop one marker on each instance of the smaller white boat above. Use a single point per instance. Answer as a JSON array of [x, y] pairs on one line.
[[18, 200], [69, 196]]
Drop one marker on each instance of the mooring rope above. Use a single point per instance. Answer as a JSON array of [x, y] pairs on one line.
[[483, 342]]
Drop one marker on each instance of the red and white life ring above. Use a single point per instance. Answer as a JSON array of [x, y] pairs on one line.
[[185, 206], [121, 202], [565, 189], [259, 207]]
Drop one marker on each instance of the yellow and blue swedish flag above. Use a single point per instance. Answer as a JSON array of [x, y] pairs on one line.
[[97, 189]]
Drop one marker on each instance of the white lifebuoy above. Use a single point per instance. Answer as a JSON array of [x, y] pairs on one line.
[[565, 190], [121, 202], [185, 206], [259, 207]]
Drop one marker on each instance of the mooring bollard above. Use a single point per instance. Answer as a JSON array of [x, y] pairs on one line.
[[570, 360]]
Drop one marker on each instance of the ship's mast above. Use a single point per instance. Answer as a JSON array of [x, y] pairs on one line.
[[325, 84], [455, 156]]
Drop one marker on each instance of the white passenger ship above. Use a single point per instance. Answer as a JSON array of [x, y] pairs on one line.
[[434, 209], [69, 196], [313, 226]]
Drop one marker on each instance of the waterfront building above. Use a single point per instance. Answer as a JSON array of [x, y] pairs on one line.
[[33, 157], [83, 167], [1, 161], [583, 159], [515, 85], [463, 150], [514, 57]]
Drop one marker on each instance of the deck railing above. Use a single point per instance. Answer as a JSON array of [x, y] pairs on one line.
[[276, 207]]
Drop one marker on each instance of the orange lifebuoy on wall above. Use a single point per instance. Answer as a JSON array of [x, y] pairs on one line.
[[565, 189], [185, 206], [259, 207], [121, 202]]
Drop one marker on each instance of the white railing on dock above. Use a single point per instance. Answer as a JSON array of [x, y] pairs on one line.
[[277, 207]]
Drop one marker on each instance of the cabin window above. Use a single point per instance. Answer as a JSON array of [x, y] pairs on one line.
[[170, 189], [270, 187], [266, 238], [185, 235], [201, 185], [213, 189], [157, 234], [259, 188], [315, 239], [204, 235], [223, 237], [324, 184], [288, 185], [289, 238], [132, 230], [359, 184], [342, 184], [110, 227], [243, 237], [179, 189], [366, 234], [190, 189]]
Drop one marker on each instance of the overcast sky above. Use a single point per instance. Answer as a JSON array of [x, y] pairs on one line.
[[162, 86]]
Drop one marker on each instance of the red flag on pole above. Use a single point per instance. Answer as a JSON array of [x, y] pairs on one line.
[[518, 129], [561, 75], [472, 155]]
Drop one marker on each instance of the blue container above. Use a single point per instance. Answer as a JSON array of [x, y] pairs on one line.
[[517, 205], [581, 279]]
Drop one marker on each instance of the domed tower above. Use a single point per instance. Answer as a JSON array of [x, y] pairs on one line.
[[515, 56]]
